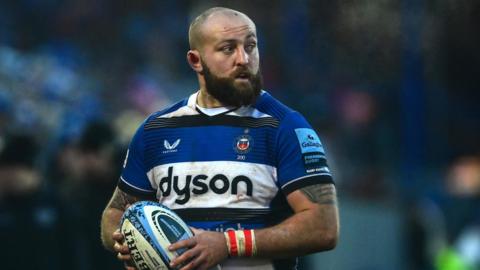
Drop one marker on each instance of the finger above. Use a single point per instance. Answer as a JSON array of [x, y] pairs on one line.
[[187, 243], [122, 248], [187, 256], [124, 257], [189, 266], [196, 263], [117, 236]]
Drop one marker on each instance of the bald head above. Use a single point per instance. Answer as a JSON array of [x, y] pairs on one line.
[[195, 32]]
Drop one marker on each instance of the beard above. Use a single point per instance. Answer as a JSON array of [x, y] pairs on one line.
[[224, 89]]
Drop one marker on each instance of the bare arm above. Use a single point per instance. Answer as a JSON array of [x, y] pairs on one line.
[[112, 214], [314, 227]]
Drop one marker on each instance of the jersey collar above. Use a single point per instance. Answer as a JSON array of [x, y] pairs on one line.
[[192, 103]]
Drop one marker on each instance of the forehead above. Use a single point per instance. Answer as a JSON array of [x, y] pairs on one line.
[[228, 26]]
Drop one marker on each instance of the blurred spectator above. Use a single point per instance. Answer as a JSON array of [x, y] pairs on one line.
[[447, 225], [462, 212], [32, 224], [365, 161], [89, 169]]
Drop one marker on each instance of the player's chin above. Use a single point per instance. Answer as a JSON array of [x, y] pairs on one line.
[[243, 86]]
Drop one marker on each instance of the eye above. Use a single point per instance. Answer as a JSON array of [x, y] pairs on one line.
[[228, 49], [250, 47]]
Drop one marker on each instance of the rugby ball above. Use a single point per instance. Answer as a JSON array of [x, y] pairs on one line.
[[149, 228]]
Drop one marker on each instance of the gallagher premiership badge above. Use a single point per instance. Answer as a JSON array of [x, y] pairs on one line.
[[312, 150]]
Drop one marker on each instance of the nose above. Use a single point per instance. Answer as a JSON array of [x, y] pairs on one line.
[[241, 57]]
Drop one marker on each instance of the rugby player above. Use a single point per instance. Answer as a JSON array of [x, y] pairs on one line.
[[249, 173]]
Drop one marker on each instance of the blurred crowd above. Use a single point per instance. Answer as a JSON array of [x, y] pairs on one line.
[[391, 87]]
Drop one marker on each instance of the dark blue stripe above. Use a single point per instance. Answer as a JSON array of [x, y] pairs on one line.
[[307, 181], [212, 143], [205, 120]]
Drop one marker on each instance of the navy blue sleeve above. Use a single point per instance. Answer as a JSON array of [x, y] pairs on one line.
[[133, 179], [301, 159]]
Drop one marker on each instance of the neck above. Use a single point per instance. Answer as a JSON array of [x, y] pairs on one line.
[[205, 100]]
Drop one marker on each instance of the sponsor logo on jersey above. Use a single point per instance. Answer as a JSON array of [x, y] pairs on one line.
[[243, 144], [308, 140], [201, 184], [312, 151], [170, 148]]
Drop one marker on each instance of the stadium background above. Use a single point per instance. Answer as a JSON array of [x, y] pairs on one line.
[[391, 86]]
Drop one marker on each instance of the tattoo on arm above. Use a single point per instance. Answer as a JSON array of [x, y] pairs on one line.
[[120, 200], [321, 193]]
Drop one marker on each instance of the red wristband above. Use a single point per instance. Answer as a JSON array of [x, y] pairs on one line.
[[233, 243], [248, 243]]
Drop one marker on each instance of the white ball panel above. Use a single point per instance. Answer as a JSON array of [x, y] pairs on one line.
[[144, 255]]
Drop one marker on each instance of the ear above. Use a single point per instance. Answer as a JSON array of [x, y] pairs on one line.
[[194, 60]]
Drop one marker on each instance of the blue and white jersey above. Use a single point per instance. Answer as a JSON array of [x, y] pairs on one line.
[[229, 170]]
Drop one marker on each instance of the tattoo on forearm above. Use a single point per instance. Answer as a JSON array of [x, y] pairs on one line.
[[120, 200], [321, 193]]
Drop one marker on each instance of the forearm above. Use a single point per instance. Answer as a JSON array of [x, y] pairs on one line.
[[113, 214], [110, 223], [313, 228], [306, 232]]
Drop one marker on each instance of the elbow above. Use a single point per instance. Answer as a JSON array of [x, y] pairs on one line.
[[328, 238]]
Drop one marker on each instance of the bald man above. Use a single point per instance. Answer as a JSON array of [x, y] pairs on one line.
[[246, 172]]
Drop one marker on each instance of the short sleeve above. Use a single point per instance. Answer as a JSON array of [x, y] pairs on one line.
[[133, 179], [301, 159]]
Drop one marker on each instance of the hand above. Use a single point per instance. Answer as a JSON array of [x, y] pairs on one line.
[[123, 253], [205, 250]]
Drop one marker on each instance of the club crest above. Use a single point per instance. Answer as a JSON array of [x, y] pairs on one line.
[[243, 144]]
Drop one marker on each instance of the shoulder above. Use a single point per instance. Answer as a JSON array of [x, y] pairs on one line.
[[170, 109], [180, 108], [269, 105]]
